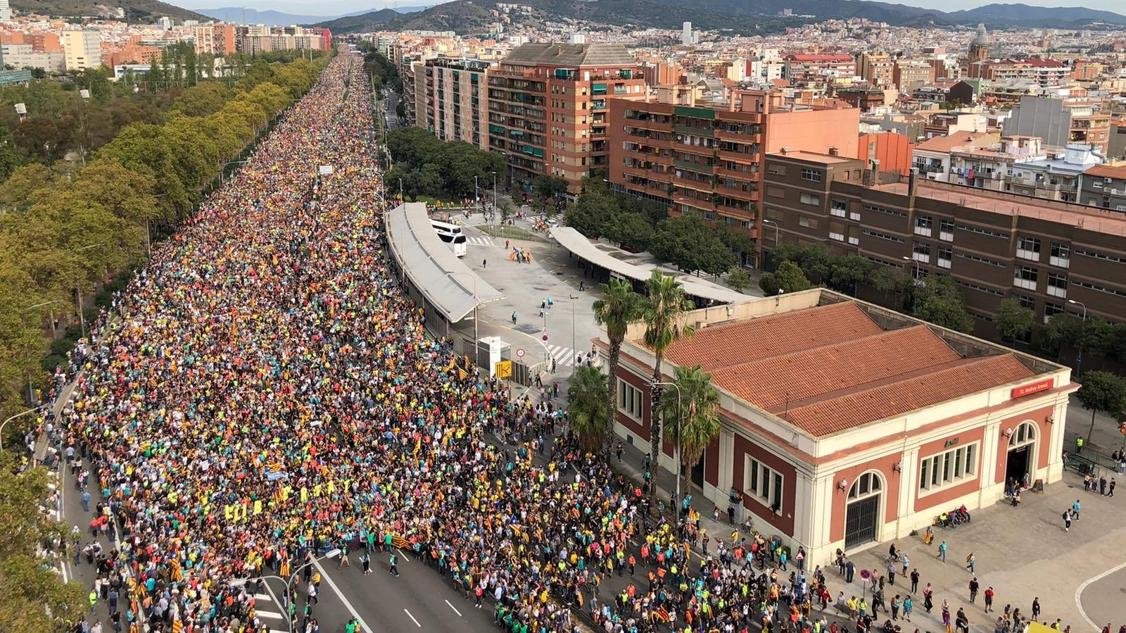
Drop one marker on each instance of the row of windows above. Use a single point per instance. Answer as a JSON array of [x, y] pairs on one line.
[[952, 467], [985, 289], [883, 236], [1100, 288], [762, 483], [629, 400], [810, 174], [885, 211], [1098, 255], [980, 231], [978, 258]]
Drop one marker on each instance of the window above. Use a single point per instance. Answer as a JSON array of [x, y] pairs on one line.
[[629, 400], [1057, 285], [1025, 277], [946, 230], [1060, 255], [776, 170], [865, 485], [921, 253], [1051, 310], [838, 208], [762, 483], [810, 174], [808, 223], [810, 199], [775, 192], [923, 226], [1028, 248], [945, 255], [945, 469]]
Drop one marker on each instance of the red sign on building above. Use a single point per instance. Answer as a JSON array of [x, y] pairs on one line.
[[1031, 388]]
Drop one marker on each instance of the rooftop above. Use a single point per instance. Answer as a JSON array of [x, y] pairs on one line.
[[840, 365], [948, 142], [813, 157], [594, 54]]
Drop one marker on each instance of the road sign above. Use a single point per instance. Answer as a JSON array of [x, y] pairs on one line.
[[504, 369], [520, 352]]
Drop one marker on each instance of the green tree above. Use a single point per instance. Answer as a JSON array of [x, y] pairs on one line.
[[1102, 392], [592, 213], [699, 415], [738, 279], [548, 189], [631, 230], [586, 400], [35, 598], [786, 278], [691, 244], [618, 307], [663, 325], [848, 272], [939, 301], [1013, 320]]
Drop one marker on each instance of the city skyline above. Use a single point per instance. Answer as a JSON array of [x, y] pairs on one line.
[[342, 7]]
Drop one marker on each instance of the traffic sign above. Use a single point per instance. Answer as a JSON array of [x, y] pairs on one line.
[[504, 369], [520, 352]]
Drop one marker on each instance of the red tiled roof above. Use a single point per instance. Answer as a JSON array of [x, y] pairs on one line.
[[766, 337], [901, 396], [832, 367], [771, 383]]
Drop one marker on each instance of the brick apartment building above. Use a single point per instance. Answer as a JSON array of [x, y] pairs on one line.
[[707, 157], [548, 107], [456, 102], [1050, 256], [215, 39]]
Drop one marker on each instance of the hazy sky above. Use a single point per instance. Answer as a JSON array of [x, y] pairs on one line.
[[335, 7]]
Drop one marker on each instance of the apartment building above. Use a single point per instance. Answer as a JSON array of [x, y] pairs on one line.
[[548, 107], [82, 49], [457, 103], [1104, 186], [215, 39], [876, 68], [912, 73], [806, 69], [1050, 256], [701, 156]]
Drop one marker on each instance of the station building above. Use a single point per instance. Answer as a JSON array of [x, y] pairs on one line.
[[845, 424]]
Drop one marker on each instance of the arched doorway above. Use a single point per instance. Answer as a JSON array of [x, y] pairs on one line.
[[1021, 458], [862, 510]]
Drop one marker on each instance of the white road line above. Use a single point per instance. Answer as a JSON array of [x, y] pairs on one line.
[[340, 594], [269, 614], [403, 555], [412, 618], [262, 596], [1079, 593], [274, 598], [454, 608]]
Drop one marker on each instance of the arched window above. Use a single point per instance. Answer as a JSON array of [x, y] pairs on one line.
[[1024, 434], [866, 485]]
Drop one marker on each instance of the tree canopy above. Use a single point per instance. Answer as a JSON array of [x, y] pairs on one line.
[[429, 167]]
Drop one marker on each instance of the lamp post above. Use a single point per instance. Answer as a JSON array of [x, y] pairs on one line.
[[1079, 356], [574, 350], [494, 192], [332, 553], [653, 385], [18, 415], [78, 290], [52, 313], [762, 255], [476, 196]]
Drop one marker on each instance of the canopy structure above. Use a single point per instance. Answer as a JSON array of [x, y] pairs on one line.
[[583, 248], [448, 285]]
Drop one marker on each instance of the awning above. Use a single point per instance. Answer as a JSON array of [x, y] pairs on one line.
[[446, 282], [583, 248]]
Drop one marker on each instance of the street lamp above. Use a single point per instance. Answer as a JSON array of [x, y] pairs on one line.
[[18, 415], [494, 192], [762, 258], [78, 289], [574, 350], [52, 312], [653, 386], [1079, 356], [332, 553]]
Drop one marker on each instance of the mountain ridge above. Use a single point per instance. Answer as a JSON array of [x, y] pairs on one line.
[[741, 16], [135, 10]]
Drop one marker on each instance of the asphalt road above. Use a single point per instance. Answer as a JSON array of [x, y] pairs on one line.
[[1104, 600]]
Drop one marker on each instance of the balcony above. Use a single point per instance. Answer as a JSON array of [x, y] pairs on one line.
[[922, 230], [944, 263], [1061, 262], [1027, 284], [855, 241], [1055, 291], [922, 258], [1032, 256], [839, 213], [837, 236], [945, 236]]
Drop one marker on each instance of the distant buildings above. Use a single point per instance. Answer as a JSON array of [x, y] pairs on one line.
[[5, 11], [456, 101], [82, 49], [215, 39]]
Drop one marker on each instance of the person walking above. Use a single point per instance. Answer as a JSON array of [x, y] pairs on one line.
[[973, 589], [891, 570], [988, 595], [365, 562], [393, 563], [908, 605], [896, 603], [1067, 520], [915, 581], [942, 549], [1036, 608], [971, 561], [1075, 510], [928, 598]]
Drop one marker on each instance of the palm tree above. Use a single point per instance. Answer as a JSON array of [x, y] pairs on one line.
[[699, 417], [618, 307], [662, 326], [586, 399]]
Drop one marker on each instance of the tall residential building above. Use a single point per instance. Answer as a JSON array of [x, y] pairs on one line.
[[911, 74], [705, 156], [456, 102], [548, 110], [995, 245], [82, 49], [215, 39], [5, 11], [876, 68], [686, 34]]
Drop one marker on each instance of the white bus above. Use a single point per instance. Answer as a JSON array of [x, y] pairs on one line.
[[450, 234]]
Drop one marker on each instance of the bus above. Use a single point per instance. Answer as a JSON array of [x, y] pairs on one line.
[[450, 234]]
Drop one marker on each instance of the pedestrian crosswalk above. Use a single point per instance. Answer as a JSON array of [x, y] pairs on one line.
[[270, 613], [480, 240], [564, 356]]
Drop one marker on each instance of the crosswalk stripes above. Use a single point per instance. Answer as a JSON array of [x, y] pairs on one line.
[[480, 240], [263, 608], [564, 356]]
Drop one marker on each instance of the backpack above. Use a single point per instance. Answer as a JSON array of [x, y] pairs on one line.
[[1065, 515]]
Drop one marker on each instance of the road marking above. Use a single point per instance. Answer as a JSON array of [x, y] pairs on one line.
[[412, 618], [274, 598], [262, 596], [340, 594], [403, 555], [454, 608], [1079, 593], [269, 614]]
